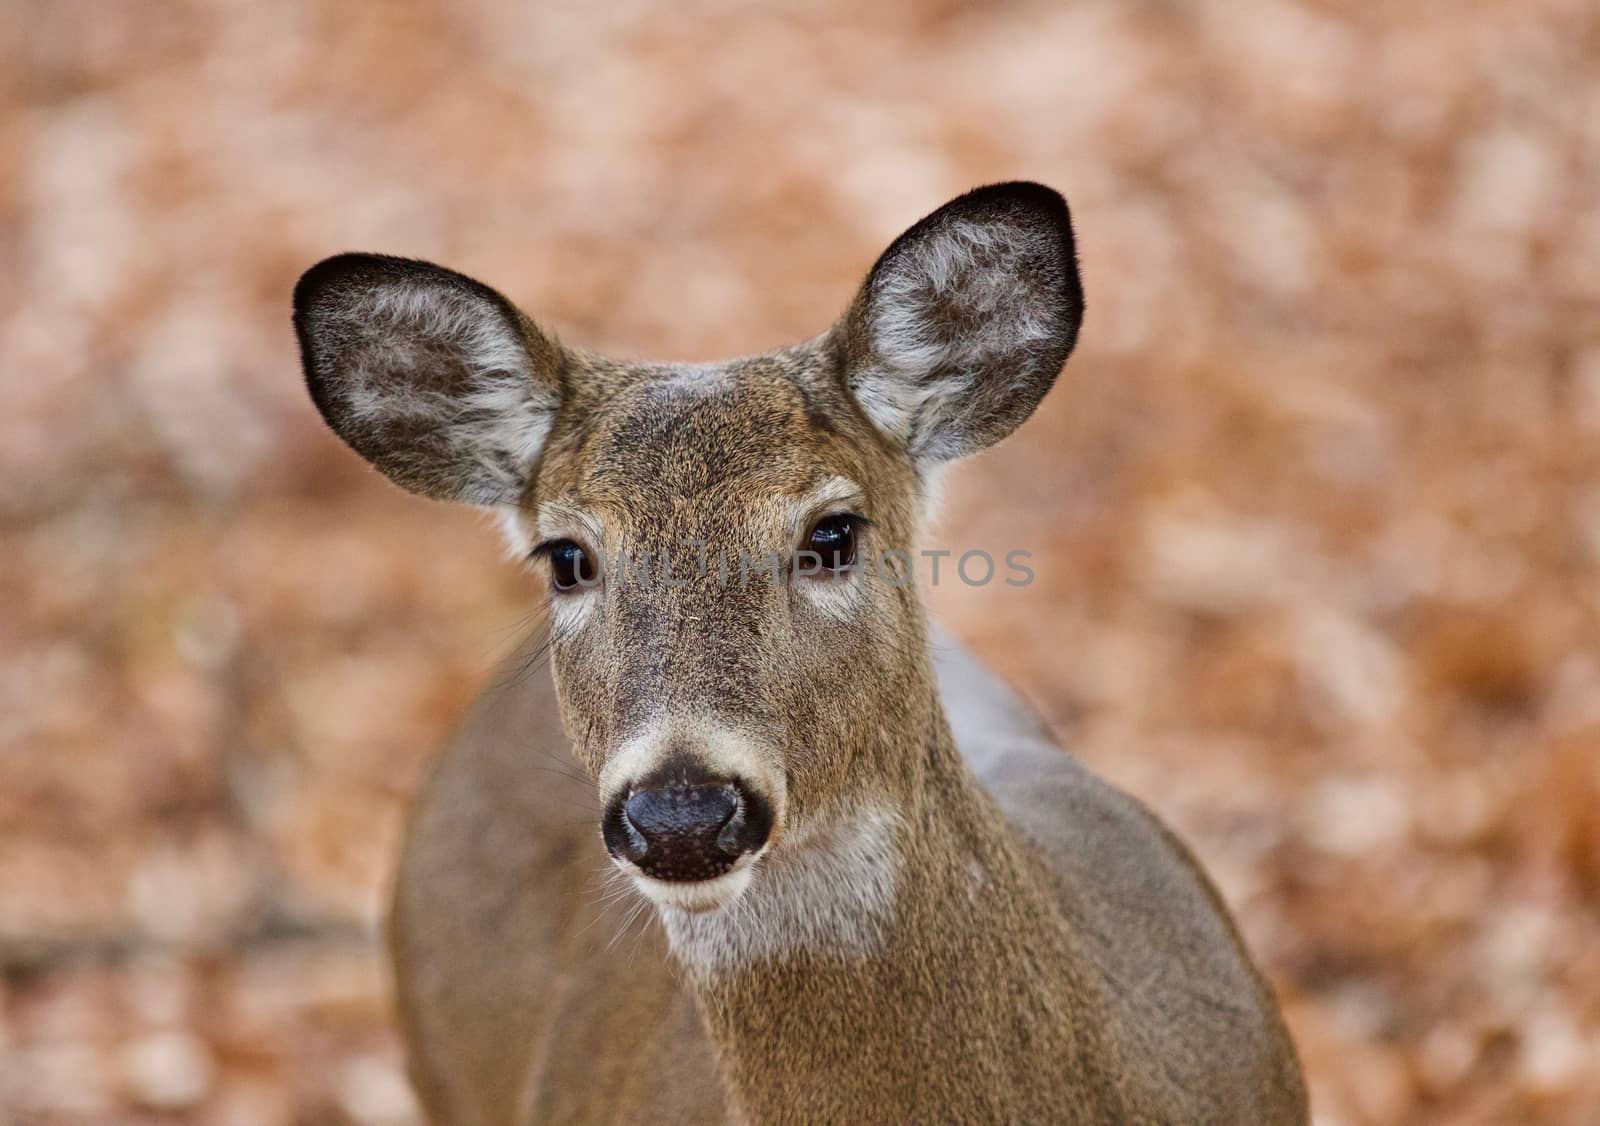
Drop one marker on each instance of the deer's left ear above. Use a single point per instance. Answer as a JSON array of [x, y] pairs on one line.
[[966, 320]]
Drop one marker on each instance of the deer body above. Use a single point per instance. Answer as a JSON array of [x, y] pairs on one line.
[[519, 1007], [884, 894]]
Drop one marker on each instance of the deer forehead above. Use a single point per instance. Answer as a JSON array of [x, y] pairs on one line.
[[698, 449]]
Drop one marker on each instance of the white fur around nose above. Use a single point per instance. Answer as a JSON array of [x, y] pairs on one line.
[[828, 888], [722, 751]]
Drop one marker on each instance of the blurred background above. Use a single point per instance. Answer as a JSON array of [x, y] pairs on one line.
[[1315, 510]]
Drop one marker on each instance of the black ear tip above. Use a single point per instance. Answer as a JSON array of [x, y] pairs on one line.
[[1022, 191], [333, 272], [353, 273], [1015, 197]]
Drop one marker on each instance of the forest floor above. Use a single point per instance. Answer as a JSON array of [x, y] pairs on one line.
[[1314, 512]]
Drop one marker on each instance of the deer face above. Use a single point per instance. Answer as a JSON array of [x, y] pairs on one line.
[[735, 636]]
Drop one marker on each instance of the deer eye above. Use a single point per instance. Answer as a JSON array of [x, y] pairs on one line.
[[833, 539], [570, 565]]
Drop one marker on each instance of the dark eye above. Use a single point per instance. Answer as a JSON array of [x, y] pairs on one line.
[[570, 565], [834, 540]]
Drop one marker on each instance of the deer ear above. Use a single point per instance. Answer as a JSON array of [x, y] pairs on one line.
[[966, 320], [437, 380]]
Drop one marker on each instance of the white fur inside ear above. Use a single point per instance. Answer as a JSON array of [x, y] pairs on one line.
[[492, 418], [934, 479], [514, 530], [958, 304]]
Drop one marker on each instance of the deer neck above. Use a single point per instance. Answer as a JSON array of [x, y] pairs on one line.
[[887, 948]]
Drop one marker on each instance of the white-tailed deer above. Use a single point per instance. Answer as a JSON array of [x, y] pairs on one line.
[[885, 895]]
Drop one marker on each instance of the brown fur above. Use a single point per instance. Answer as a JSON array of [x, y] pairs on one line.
[[1045, 951], [501, 947]]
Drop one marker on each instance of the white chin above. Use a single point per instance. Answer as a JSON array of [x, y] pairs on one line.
[[696, 895]]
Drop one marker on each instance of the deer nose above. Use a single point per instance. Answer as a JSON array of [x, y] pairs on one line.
[[686, 831]]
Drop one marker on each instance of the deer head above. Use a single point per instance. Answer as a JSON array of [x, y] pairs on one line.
[[737, 645]]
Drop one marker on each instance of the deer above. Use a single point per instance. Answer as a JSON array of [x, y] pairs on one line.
[[881, 891]]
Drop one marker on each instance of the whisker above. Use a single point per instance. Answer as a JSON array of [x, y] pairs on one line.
[[626, 923], [638, 940]]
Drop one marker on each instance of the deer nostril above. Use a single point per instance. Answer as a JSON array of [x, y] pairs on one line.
[[632, 844], [728, 837], [686, 832]]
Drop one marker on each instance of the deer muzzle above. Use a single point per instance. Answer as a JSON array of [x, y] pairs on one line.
[[686, 829]]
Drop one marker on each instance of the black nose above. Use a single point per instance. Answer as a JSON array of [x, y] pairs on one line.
[[686, 828]]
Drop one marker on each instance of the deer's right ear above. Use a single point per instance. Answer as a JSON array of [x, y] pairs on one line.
[[437, 380]]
